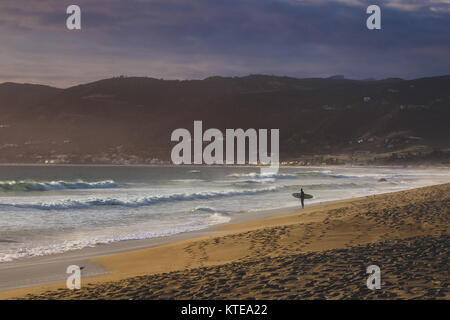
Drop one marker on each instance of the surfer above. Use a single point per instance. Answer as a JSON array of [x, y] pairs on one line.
[[302, 198]]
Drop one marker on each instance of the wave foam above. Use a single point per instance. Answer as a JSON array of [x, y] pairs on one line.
[[255, 181], [134, 203], [116, 236], [255, 175], [204, 209], [54, 185]]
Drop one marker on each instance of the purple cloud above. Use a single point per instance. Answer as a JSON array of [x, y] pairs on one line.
[[199, 38]]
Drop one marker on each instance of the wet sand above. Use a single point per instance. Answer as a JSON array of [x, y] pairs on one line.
[[43, 270], [321, 252]]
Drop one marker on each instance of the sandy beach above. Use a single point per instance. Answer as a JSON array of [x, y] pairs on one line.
[[321, 252], [196, 153]]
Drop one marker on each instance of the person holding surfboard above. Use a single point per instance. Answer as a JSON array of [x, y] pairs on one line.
[[302, 198]]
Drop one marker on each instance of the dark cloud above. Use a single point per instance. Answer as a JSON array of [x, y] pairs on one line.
[[199, 38]]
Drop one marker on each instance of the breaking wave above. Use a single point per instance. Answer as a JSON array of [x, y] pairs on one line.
[[330, 186], [135, 203], [54, 185], [204, 209], [255, 175], [211, 219]]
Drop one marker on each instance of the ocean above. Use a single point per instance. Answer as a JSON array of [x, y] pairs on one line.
[[53, 209]]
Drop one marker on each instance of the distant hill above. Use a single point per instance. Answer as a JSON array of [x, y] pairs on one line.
[[129, 120]]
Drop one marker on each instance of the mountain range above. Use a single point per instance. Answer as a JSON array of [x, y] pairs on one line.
[[127, 120]]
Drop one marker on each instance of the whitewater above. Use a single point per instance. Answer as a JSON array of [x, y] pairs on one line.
[[49, 210]]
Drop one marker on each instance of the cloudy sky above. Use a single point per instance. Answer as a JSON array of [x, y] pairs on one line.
[[194, 39]]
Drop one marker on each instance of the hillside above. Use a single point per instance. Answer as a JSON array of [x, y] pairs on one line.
[[129, 120]]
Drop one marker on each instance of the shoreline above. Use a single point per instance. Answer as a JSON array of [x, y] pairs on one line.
[[49, 269], [114, 247], [174, 253], [170, 165]]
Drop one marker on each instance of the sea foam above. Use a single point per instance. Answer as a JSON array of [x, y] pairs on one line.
[[54, 185], [136, 202]]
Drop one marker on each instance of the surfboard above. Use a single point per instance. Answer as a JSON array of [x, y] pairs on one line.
[[307, 196]]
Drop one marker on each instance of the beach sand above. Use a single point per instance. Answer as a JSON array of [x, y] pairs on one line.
[[321, 252]]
